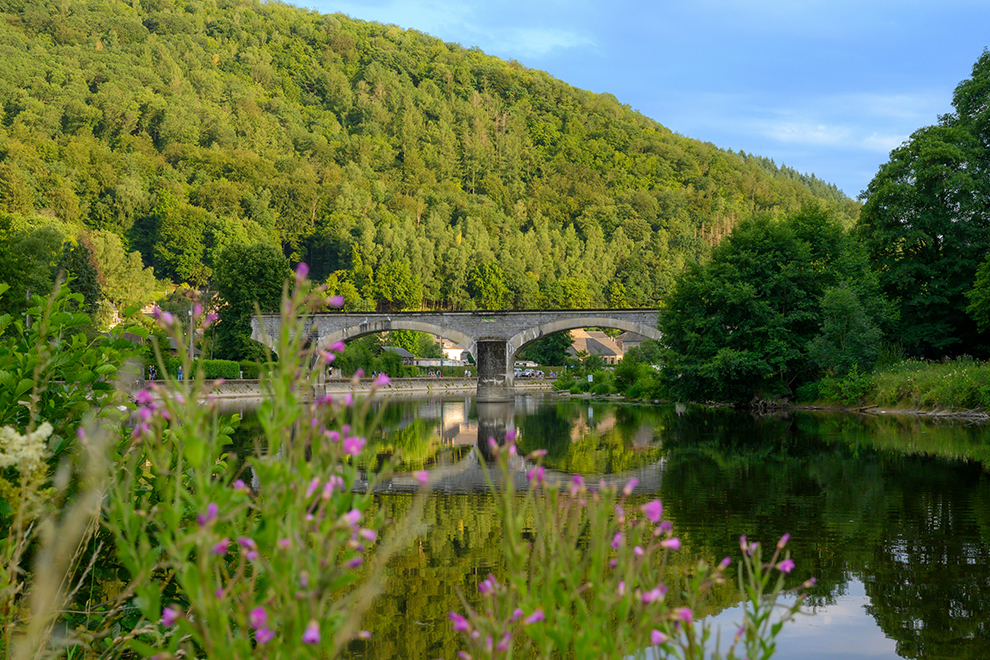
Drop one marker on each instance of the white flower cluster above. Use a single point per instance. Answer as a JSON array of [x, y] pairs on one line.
[[25, 452]]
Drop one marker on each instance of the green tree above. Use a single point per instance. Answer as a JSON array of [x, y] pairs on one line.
[[979, 298], [849, 338], [926, 223], [550, 350], [28, 260], [739, 326], [125, 279], [246, 276], [79, 266], [486, 284]]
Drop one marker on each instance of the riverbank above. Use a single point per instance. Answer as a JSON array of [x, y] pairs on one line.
[[974, 415], [251, 388]]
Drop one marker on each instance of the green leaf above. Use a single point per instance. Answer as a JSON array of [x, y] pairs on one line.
[[24, 386]]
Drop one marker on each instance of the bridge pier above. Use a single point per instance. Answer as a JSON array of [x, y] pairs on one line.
[[494, 379], [495, 419]]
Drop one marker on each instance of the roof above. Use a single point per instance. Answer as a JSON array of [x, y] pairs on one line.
[[595, 342], [398, 350]]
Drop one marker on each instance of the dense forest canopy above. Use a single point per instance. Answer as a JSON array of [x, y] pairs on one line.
[[405, 170]]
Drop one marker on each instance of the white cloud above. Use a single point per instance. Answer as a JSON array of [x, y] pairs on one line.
[[506, 30], [536, 42]]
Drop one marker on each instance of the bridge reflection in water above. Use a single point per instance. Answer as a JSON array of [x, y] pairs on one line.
[[494, 421]]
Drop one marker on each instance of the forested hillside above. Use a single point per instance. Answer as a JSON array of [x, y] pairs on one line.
[[406, 170]]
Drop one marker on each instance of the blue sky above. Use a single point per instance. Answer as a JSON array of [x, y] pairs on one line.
[[827, 87]]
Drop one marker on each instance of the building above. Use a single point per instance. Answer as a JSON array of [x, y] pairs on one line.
[[595, 342]]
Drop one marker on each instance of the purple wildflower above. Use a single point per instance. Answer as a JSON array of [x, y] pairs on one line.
[[335, 301], [258, 617], [220, 547], [783, 541], [353, 445], [312, 633], [422, 476], [264, 635], [653, 510], [460, 623], [628, 488], [535, 617], [302, 270], [671, 544], [211, 514], [170, 616], [657, 637], [786, 566]]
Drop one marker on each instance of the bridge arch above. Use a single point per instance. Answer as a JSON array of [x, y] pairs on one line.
[[530, 335], [364, 329]]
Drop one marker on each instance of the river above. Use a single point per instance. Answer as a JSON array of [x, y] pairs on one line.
[[891, 514]]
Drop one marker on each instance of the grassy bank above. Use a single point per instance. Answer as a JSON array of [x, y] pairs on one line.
[[957, 385]]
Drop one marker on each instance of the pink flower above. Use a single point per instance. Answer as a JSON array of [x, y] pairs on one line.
[[257, 618], [536, 474], [786, 566], [535, 617], [220, 548], [653, 510], [504, 644], [617, 541], [381, 380], [353, 445], [302, 270], [313, 485], [783, 541], [486, 586], [516, 615], [422, 476], [335, 301], [337, 346], [577, 483], [460, 623], [264, 635], [672, 544], [683, 614], [657, 637], [638, 551], [312, 633], [170, 616], [352, 517], [655, 595], [211, 514], [144, 397], [628, 489]]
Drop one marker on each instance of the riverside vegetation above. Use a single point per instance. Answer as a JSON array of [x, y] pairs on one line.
[[131, 530]]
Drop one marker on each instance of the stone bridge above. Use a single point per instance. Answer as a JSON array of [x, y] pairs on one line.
[[492, 337]]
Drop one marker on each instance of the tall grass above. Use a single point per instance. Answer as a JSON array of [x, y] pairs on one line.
[[957, 385]]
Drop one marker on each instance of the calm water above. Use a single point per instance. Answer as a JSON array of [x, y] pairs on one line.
[[891, 515]]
